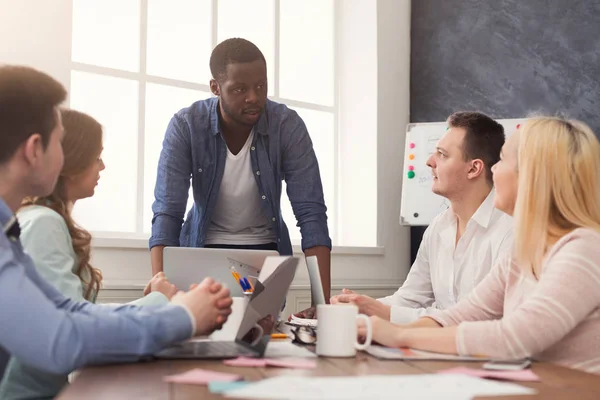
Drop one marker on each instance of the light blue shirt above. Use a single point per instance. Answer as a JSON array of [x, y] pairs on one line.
[[46, 239], [44, 329]]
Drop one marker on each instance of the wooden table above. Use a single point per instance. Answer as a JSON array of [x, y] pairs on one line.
[[144, 380]]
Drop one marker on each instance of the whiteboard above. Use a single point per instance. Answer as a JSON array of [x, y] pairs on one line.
[[419, 204]]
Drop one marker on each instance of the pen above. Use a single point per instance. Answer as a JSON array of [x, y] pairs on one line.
[[248, 285], [235, 275], [279, 336], [243, 285], [250, 282]]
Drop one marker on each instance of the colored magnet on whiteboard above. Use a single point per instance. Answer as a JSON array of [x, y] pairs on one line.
[[412, 145], [411, 174], [411, 168], [518, 126], [411, 156]]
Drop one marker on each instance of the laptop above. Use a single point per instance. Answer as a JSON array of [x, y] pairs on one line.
[[186, 265], [258, 322]]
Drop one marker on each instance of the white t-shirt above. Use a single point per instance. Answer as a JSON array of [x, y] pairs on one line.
[[239, 216]]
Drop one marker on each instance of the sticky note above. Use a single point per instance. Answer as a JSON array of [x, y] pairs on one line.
[[272, 362], [524, 375], [411, 174], [222, 387], [291, 363], [246, 362], [199, 376]]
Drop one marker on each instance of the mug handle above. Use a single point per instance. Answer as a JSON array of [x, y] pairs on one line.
[[369, 337], [257, 338]]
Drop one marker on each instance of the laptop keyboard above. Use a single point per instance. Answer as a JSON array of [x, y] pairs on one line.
[[209, 349]]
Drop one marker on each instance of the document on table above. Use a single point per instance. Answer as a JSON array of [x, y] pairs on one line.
[[287, 349], [390, 353], [457, 387]]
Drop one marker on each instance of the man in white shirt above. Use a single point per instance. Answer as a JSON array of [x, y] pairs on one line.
[[462, 243]]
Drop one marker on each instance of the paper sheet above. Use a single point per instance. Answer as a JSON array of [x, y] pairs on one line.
[[524, 375], [287, 349], [428, 386]]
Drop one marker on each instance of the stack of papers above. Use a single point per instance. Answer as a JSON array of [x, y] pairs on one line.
[[430, 386], [303, 321]]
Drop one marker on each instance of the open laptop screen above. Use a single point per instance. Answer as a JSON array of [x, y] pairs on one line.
[[262, 312]]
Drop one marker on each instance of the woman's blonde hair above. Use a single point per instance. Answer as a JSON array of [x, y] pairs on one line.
[[558, 186], [82, 146]]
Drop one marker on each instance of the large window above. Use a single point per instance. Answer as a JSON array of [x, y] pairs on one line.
[[137, 62]]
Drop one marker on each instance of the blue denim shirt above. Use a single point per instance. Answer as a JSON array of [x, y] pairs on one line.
[[194, 148]]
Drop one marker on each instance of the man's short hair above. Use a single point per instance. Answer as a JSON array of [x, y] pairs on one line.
[[28, 101], [484, 138], [232, 51]]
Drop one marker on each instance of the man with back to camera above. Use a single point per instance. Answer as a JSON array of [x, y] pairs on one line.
[[38, 325], [237, 148], [461, 244]]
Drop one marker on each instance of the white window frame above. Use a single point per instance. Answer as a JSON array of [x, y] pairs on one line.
[[144, 78]]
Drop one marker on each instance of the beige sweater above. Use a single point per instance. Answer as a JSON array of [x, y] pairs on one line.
[[556, 319]]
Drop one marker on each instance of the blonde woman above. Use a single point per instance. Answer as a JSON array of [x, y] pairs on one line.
[[544, 301], [60, 248]]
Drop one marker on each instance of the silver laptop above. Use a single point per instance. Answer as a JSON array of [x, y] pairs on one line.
[[186, 265], [258, 322]]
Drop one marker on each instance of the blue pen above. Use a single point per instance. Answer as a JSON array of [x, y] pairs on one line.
[[243, 285], [248, 286]]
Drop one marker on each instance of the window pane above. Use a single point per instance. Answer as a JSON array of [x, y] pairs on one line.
[[306, 51], [114, 103], [238, 18], [320, 126], [180, 39], [107, 33], [161, 103]]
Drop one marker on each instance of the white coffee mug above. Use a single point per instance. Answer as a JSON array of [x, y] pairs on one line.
[[337, 330], [232, 325]]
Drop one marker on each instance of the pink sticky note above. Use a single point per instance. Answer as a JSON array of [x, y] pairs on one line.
[[271, 362], [199, 376], [524, 375], [246, 362], [292, 363]]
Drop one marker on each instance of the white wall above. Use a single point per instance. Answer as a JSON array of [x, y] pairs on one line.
[[38, 34]]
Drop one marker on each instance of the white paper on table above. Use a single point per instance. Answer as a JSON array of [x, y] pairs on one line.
[[287, 349], [427, 386]]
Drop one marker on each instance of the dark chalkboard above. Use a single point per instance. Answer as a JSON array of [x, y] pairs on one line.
[[506, 58]]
